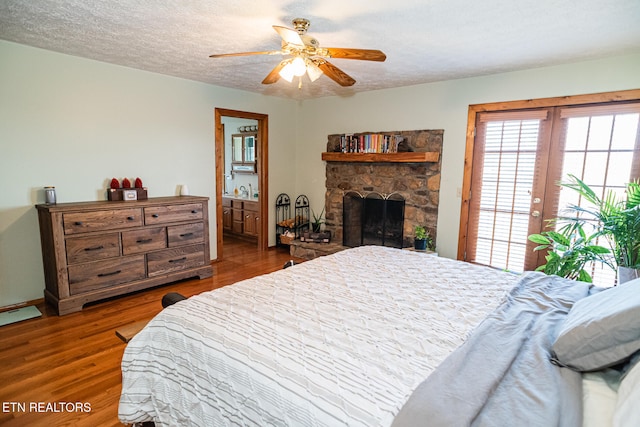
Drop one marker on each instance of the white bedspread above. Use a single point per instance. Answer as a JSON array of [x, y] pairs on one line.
[[340, 340]]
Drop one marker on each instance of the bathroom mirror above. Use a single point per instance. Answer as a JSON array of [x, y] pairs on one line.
[[249, 148], [236, 148], [243, 151]]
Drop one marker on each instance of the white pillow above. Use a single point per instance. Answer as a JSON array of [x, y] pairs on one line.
[[627, 412], [599, 397], [601, 330]]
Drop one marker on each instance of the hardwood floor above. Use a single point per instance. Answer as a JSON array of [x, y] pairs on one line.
[[59, 371]]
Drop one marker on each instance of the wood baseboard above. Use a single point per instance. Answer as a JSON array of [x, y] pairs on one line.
[[22, 304]]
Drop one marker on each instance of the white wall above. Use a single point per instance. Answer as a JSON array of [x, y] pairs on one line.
[[443, 105], [76, 123]]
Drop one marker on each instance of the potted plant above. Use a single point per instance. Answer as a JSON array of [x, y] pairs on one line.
[[422, 240], [317, 221], [615, 218], [570, 249], [612, 218]]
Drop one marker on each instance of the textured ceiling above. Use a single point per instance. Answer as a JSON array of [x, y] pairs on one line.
[[424, 40]]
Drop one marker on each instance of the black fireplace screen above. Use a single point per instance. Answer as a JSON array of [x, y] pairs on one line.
[[373, 220]]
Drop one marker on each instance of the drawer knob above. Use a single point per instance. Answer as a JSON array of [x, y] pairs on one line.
[[194, 211], [131, 218], [186, 235], [184, 258], [144, 240], [78, 223], [94, 248], [113, 273], [155, 215]]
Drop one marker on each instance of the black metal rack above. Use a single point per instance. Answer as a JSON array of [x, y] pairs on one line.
[[283, 208], [302, 218], [297, 223]]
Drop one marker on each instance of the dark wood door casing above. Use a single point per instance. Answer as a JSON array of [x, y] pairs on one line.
[[262, 170]]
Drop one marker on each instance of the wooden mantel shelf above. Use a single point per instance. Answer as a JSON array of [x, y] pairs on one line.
[[404, 157]]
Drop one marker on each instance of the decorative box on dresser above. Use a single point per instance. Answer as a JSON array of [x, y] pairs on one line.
[[97, 250]]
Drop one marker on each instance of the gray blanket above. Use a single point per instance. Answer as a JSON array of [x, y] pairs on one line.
[[502, 375]]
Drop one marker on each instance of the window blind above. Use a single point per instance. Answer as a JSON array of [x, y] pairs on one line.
[[505, 184]]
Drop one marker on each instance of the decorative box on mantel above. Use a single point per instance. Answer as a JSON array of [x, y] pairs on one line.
[[115, 194]]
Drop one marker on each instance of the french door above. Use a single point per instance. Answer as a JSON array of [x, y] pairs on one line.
[[518, 159], [507, 192]]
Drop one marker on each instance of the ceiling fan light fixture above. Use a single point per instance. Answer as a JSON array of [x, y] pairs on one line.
[[313, 71], [299, 66], [295, 67], [287, 72]]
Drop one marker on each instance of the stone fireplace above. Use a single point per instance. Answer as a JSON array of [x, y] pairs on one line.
[[416, 183]]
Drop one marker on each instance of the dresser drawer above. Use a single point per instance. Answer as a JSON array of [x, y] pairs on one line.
[[172, 213], [171, 260], [148, 239], [92, 248], [102, 274], [110, 219], [189, 234]]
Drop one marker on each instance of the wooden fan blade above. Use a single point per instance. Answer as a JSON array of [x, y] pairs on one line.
[[265, 52], [336, 74], [274, 75], [289, 35], [362, 54]]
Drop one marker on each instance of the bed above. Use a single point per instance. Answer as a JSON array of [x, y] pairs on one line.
[[370, 336]]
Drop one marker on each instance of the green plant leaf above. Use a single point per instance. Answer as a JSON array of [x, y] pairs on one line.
[[559, 238], [317, 219], [540, 239], [420, 232], [583, 276], [597, 249]]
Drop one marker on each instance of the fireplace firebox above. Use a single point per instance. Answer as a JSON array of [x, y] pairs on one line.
[[374, 219]]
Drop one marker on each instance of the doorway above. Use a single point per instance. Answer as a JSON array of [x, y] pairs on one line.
[[260, 154]]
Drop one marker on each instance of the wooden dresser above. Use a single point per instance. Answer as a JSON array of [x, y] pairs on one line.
[[97, 250]]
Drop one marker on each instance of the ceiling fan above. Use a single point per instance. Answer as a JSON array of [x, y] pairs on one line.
[[306, 56]]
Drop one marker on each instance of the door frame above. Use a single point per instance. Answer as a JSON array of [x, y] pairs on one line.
[[563, 101], [263, 173]]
